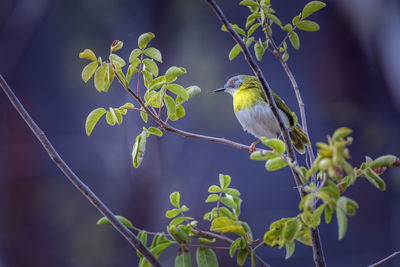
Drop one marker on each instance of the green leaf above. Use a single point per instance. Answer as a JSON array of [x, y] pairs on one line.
[[101, 78], [274, 18], [250, 3], [341, 133], [142, 236], [242, 256], [144, 116], [234, 51], [155, 131], [214, 189], [276, 144], [183, 260], [117, 60], [252, 29], [178, 90], [127, 106], [342, 222], [144, 39], [173, 72], [316, 217], [235, 244], [383, 161], [304, 236], [154, 53], [123, 220], [92, 119], [235, 27], [176, 221], [129, 73], [172, 213], [205, 257], [328, 214], [174, 198], [226, 225], [275, 164], [157, 250], [89, 70], [263, 155], [224, 181], [134, 54], [287, 27], [191, 91], [285, 56], [290, 246], [88, 54], [374, 179], [170, 103], [308, 25], [147, 76], [116, 45], [294, 40], [296, 19], [205, 241], [228, 202], [151, 66], [259, 50], [138, 149], [212, 198], [180, 112], [231, 191], [290, 229], [312, 7]]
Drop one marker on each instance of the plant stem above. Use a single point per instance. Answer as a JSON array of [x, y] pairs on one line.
[[74, 179], [316, 243], [381, 262]]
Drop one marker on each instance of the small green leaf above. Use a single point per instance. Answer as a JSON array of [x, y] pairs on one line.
[[147, 76], [101, 78], [341, 133], [173, 72], [304, 236], [259, 50], [123, 220], [183, 260], [89, 70], [250, 3], [176, 221], [116, 45], [308, 25], [170, 103], [235, 27], [290, 230], [263, 155], [276, 144], [214, 189], [129, 73], [285, 56], [155, 131], [110, 119], [178, 90], [342, 222], [274, 18], [88, 54], [134, 54], [252, 29], [144, 116], [191, 91], [151, 66], [172, 213], [212, 198], [174, 198], [205, 257], [144, 39], [328, 214], [296, 19], [374, 179], [294, 40], [275, 164], [154, 53], [242, 256], [287, 27], [231, 191], [138, 149], [383, 161], [142, 236], [228, 202], [92, 119], [316, 217], [226, 225], [224, 181], [205, 241], [117, 60], [233, 248], [234, 51], [290, 246], [312, 7]]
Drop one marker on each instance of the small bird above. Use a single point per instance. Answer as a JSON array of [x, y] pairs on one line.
[[256, 117]]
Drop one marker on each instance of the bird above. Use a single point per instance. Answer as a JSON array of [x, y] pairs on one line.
[[255, 115]]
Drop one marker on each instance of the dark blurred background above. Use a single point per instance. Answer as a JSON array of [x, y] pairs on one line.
[[348, 72]]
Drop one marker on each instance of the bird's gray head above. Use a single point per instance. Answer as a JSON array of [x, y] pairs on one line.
[[232, 84]]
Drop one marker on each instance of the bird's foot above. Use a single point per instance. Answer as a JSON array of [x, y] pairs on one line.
[[253, 146]]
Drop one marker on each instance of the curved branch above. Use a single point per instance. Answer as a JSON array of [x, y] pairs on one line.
[[74, 179], [388, 258]]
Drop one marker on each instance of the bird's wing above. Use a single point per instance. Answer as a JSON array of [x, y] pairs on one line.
[[282, 106]]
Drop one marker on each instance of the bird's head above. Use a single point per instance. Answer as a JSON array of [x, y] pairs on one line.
[[234, 84]]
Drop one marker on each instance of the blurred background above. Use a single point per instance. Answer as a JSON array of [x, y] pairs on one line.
[[348, 73]]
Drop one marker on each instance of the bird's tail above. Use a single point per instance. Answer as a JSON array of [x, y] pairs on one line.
[[299, 139]]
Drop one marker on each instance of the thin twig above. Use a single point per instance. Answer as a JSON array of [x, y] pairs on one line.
[[74, 179], [316, 243], [388, 258]]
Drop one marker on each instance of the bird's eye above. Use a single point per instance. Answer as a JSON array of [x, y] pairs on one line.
[[232, 83]]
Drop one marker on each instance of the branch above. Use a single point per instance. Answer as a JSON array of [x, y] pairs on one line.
[[75, 180], [316, 243], [388, 258]]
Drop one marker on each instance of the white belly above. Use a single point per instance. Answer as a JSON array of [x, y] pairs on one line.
[[260, 121]]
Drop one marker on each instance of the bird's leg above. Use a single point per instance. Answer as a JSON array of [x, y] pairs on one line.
[[253, 146]]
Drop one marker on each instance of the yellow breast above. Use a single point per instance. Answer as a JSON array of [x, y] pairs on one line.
[[244, 99]]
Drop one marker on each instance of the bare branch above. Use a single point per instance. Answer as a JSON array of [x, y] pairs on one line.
[[388, 258], [74, 179], [316, 243]]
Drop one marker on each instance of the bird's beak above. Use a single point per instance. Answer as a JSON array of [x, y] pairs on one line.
[[219, 90]]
